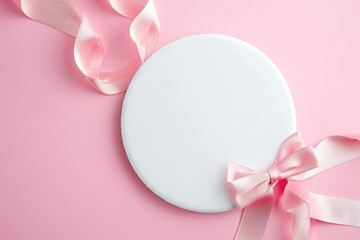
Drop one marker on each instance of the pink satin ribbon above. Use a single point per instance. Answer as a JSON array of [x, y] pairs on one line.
[[253, 191], [67, 17]]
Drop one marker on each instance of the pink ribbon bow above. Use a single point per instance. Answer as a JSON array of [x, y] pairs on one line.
[[295, 162]]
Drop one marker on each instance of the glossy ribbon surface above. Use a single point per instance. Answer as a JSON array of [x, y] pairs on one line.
[[67, 17], [253, 191]]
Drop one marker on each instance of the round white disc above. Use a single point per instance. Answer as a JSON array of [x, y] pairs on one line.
[[197, 104]]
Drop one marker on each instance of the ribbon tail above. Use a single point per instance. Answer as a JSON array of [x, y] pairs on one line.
[[331, 209], [254, 219], [300, 214], [301, 222], [304, 205]]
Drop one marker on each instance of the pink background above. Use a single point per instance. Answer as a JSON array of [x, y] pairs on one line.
[[63, 170]]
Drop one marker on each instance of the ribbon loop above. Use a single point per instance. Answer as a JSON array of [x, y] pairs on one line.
[[66, 16]]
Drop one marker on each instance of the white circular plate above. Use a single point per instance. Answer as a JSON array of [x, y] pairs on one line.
[[197, 104]]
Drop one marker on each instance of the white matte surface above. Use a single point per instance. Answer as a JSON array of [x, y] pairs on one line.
[[196, 104]]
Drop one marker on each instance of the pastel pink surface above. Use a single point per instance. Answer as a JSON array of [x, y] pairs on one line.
[[63, 170]]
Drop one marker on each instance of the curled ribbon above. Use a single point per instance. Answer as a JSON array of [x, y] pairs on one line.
[[67, 17], [295, 162]]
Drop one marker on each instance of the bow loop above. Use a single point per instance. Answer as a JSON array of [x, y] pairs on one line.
[[250, 187], [300, 161], [289, 146]]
